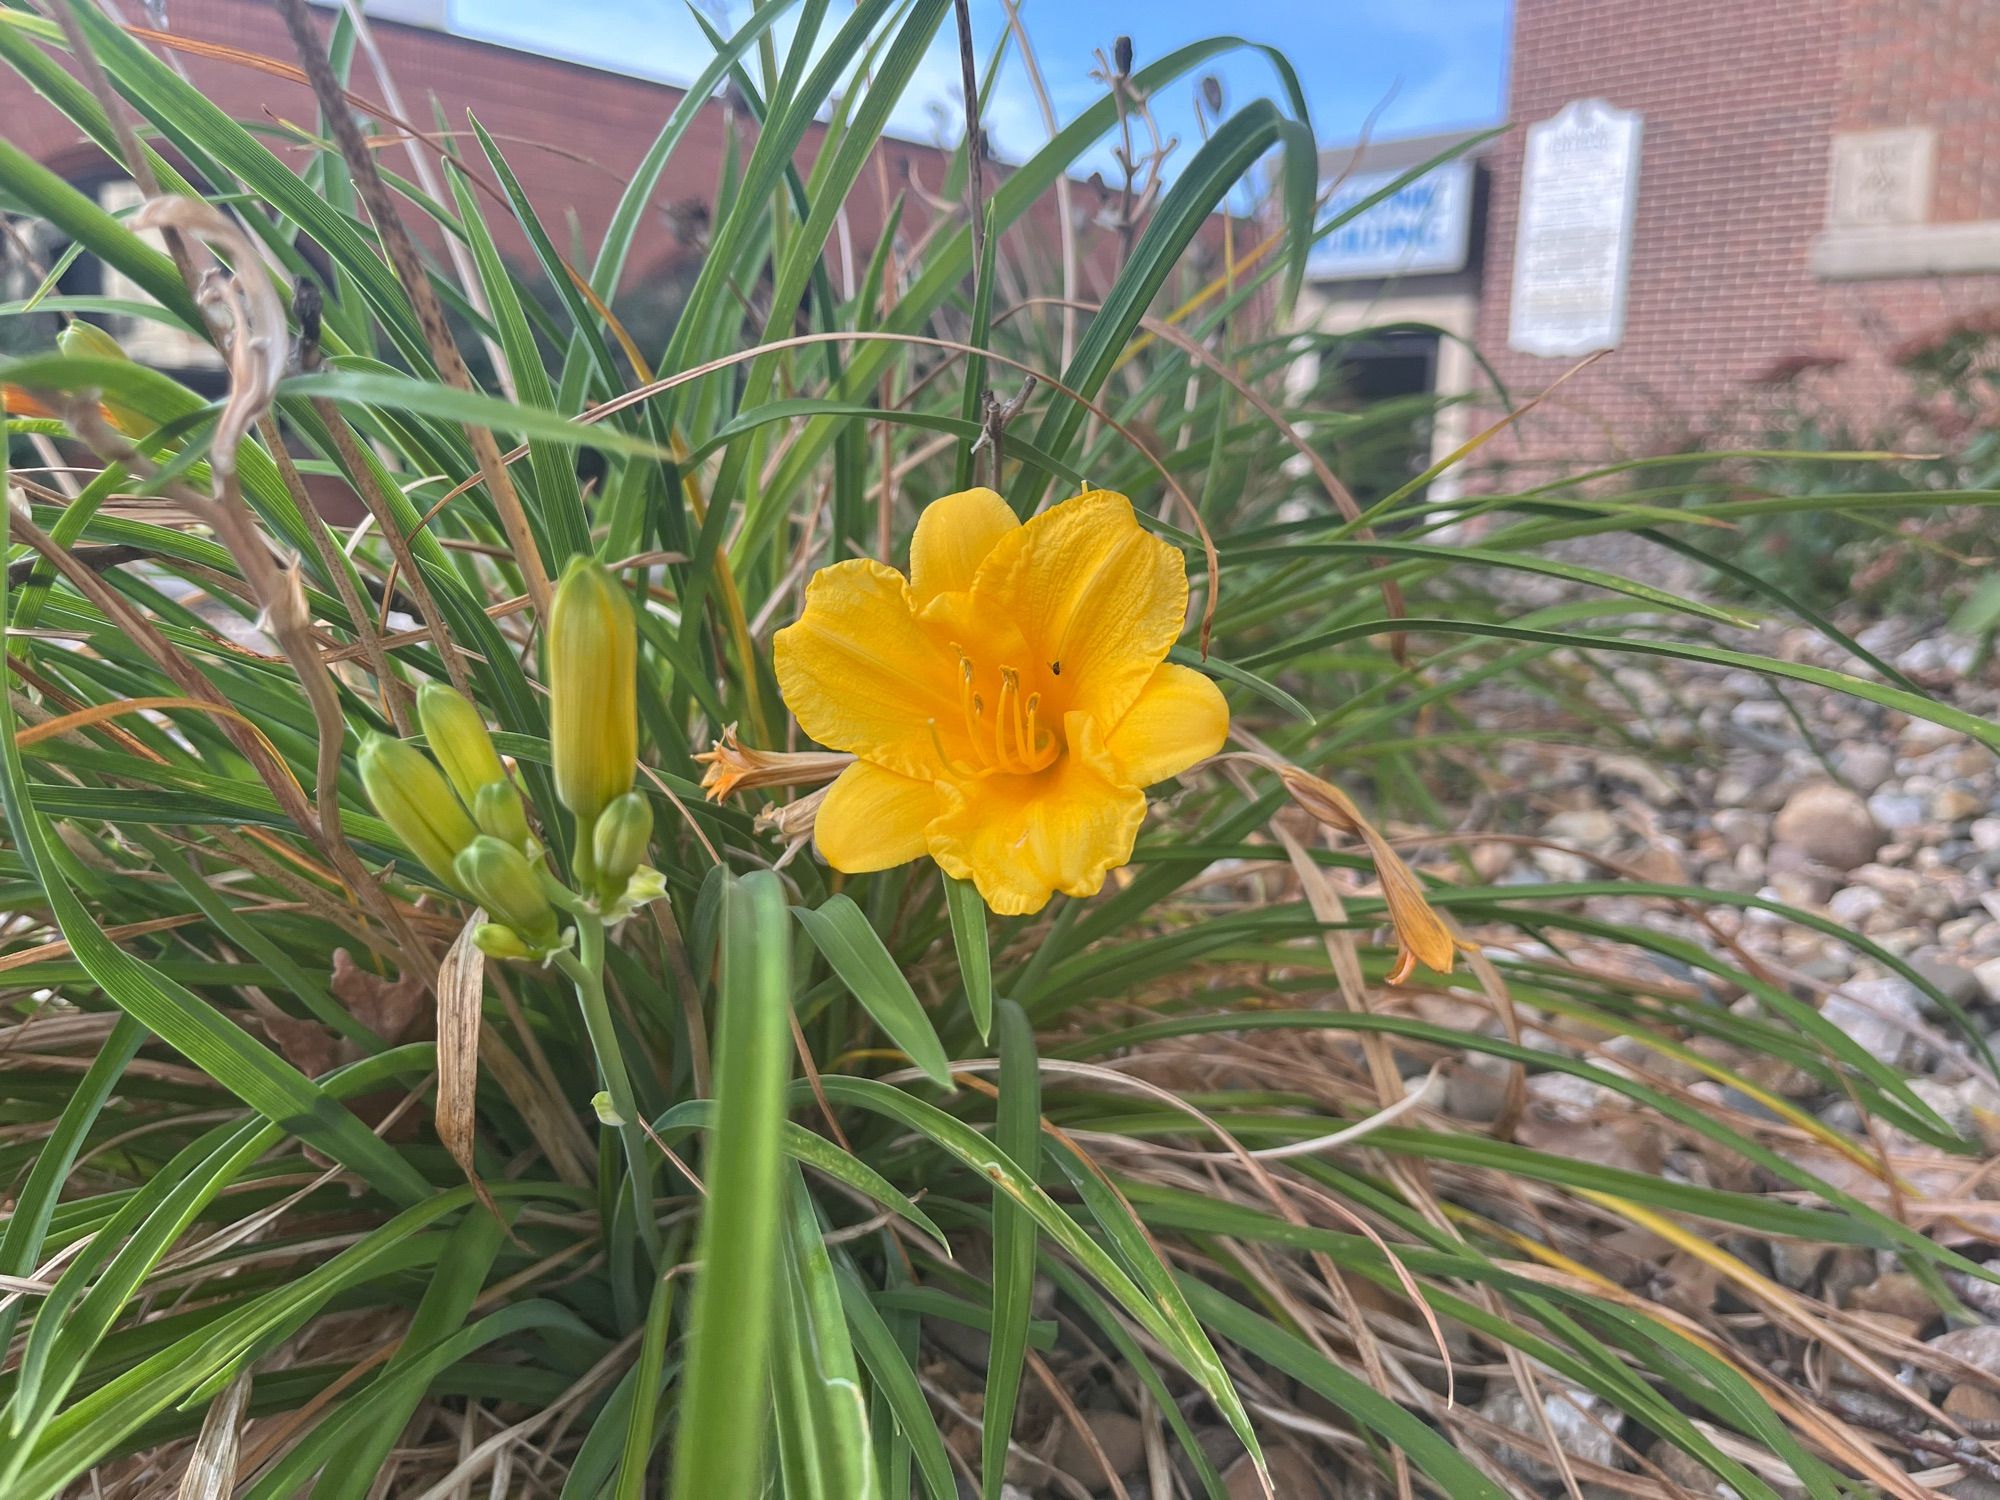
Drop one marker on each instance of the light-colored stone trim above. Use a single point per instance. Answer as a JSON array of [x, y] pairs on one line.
[[1881, 177], [1907, 250]]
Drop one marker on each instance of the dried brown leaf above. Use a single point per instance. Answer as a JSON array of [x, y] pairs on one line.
[[211, 1470], [391, 1008], [461, 989]]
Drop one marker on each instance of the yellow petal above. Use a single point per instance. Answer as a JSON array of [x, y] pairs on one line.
[[872, 819], [1098, 600], [1020, 839], [952, 538], [861, 676], [1179, 718]]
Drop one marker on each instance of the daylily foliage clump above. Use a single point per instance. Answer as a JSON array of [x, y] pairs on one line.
[[366, 1137]]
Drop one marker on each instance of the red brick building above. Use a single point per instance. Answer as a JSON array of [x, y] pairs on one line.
[[573, 134], [1817, 188], [1817, 194]]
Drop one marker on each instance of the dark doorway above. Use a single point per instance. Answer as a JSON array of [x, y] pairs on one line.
[[1380, 391]]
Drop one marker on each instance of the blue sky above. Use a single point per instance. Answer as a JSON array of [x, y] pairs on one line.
[[1426, 64]]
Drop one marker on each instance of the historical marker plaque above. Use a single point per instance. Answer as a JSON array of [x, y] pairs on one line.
[[1573, 247]]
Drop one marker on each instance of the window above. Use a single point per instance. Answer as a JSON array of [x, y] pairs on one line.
[[145, 339]]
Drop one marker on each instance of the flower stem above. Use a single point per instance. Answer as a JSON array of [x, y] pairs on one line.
[[585, 969]]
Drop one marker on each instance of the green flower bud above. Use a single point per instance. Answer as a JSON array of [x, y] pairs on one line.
[[624, 829], [592, 668], [81, 340], [501, 880], [496, 941], [459, 740], [414, 800], [499, 810]]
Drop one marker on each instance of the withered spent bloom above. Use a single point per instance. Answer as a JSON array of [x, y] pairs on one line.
[[793, 822], [1121, 55], [735, 767], [1419, 929]]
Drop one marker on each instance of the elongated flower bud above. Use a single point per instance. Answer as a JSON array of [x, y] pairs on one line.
[[624, 829], [499, 810], [459, 740], [501, 880], [81, 340], [414, 799], [593, 654], [496, 941]]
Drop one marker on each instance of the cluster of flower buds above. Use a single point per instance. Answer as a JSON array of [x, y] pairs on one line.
[[466, 821], [467, 824]]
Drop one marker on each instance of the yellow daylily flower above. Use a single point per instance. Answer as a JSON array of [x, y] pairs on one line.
[[1007, 701]]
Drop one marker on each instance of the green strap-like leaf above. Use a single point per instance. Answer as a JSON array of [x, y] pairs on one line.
[[1018, 1130], [720, 1450], [822, 1414], [975, 960], [893, 1376], [182, 1019], [840, 930]]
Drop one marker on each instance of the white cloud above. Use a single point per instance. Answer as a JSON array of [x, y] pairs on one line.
[[664, 42]]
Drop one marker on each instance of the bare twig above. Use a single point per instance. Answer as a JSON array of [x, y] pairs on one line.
[[416, 285], [1121, 77], [249, 321], [427, 179], [998, 413], [975, 136], [1064, 209]]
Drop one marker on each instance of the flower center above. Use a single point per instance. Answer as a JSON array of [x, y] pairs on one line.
[[1006, 735]]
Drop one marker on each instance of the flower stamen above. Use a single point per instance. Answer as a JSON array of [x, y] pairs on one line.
[[944, 756], [971, 707], [1012, 741]]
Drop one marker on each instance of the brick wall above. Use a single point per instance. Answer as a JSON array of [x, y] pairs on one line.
[[573, 134], [608, 120], [1741, 99], [1936, 62]]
